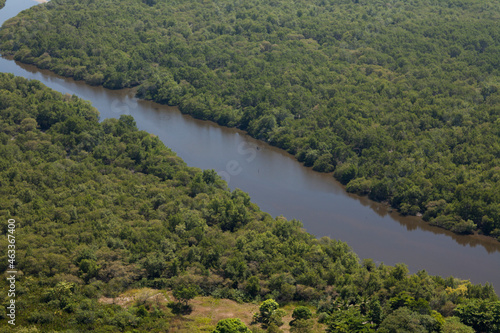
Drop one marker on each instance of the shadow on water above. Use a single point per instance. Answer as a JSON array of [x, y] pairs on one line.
[[412, 223]]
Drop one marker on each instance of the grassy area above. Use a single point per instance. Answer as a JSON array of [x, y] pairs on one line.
[[206, 311]]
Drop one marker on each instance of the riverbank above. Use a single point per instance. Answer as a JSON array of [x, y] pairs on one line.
[[402, 141], [280, 185], [138, 222]]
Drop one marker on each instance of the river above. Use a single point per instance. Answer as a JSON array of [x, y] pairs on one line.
[[282, 186]]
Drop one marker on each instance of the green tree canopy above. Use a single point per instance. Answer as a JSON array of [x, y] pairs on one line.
[[400, 100], [231, 325]]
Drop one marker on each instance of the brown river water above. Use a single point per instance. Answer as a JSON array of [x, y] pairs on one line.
[[282, 186]]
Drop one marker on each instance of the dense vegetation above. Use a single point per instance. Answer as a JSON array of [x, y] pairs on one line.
[[102, 208], [2, 3], [401, 99]]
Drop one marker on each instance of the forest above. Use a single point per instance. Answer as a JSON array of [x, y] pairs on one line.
[[102, 208], [400, 100]]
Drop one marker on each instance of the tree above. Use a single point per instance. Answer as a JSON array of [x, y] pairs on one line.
[[88, 269], [375, 312], [301, 313], [231, 325], [482, 315], [154, 264], [453, 325], [253, 286], [269, 314], [385, 131], [268, 307], [209, 176], [301, 322], [302, 326], [349, 320], [184, 294], [346, 172], [84, 218], [403, 320]]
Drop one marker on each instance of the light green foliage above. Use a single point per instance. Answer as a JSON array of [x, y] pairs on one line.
[[400, 100], [268, 307], [231, 325], [453, 325]]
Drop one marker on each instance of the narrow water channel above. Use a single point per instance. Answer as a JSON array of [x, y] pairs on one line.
[[282, 186]]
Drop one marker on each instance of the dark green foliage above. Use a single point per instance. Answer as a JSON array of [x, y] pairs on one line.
[[482, 315], [401, 99], [453, 325], [375, 311], [403, 299], [301, 322], [185, 293], [403, 320], [253, 286], [231, 325], [301, 312], [302, 326], [102, 208], [349, 320]]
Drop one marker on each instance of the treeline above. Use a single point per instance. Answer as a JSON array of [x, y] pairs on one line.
[[400, 99], [102, 208], [2, 3]]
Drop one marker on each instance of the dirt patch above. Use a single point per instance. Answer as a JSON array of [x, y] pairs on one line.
[[206, 311], [141, 296], [217, 309]]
